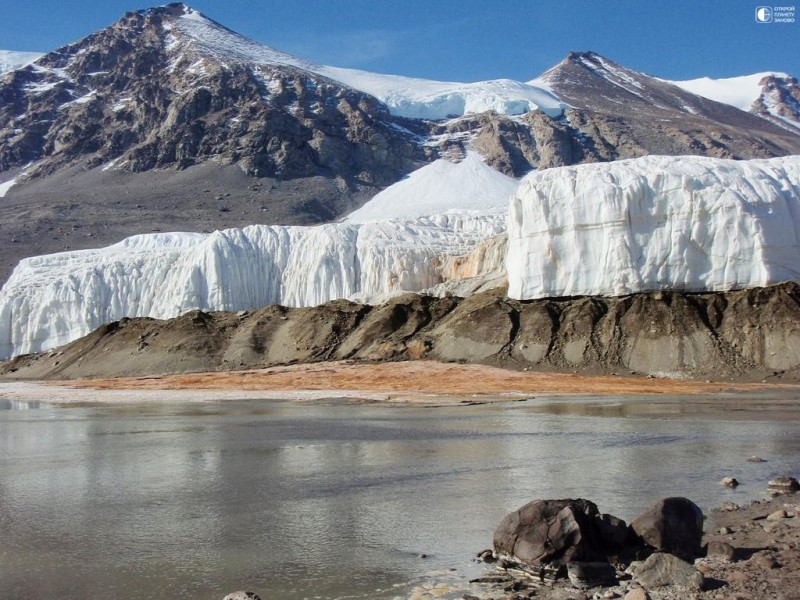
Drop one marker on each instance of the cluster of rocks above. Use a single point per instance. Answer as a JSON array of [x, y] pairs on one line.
[[569, 550], [571, 540]]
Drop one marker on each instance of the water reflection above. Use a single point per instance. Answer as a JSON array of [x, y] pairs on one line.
[[300, 501], [6, 404]]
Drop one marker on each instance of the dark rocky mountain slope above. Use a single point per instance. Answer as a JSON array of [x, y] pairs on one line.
[[624, 113]]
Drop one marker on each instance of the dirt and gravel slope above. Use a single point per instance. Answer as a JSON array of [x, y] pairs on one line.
[[744, 335]]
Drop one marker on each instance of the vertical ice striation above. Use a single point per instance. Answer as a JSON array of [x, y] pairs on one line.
[[54, 299], [651, 223]]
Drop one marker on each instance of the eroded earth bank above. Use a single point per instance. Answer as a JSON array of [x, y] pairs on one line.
[[743, 335]]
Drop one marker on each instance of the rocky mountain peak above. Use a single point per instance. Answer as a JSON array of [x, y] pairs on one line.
[[168, 86], [187, 29], [173, 9], [779, 101], [647, 115], [586, 58]]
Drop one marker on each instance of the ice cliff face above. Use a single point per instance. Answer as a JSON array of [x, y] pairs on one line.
[[395, 243], [53, 299], [654, 223]]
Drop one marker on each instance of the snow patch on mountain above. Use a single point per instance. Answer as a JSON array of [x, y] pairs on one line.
[[435, 100], [470, 186], [655, 223], [7, 185], [217, 41], [11, 60], [51, 300], [740, 92], [405, 96]]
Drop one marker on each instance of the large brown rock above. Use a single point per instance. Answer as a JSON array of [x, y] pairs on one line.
[[557, 532], [673, 525]]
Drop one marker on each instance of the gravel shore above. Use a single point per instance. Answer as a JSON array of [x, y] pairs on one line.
[[435, 383]]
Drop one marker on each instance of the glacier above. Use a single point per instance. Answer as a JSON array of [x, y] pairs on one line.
[[740, 92], [655, 223], [436, 224], [645, 224], [53, 299]]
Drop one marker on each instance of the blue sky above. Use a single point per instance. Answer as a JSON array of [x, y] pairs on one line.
[[466, 40]]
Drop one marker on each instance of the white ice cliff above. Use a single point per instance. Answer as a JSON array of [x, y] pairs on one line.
[[652, 223], [54, 299]]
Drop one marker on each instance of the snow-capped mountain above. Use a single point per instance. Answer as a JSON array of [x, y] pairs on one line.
[[772, 96], [167, 120], [11, 59], [632, 114], [168, 86], [404, 96], [655, 223]]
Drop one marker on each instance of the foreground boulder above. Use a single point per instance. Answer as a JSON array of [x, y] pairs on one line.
[[555, 532], [673, 525], [661, 570]]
